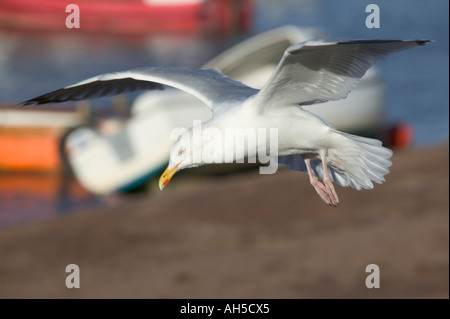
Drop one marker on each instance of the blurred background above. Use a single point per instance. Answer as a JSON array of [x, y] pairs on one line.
[[220, 231]]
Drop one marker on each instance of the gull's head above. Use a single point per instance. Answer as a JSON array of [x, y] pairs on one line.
[[180, 158]]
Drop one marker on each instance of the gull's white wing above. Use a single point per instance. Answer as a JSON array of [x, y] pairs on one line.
[[318, 71], [210, 86]]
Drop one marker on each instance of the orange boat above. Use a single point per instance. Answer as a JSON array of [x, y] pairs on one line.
[[30, 138]]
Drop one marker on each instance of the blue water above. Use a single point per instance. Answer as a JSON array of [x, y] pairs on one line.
[[417, 80]]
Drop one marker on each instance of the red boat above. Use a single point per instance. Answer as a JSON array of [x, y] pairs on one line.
[[125, 17]]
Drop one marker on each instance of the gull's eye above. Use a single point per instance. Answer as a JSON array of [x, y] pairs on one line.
[[180, 152]]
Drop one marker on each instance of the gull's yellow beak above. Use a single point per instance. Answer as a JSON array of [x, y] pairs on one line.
[[167, 175]]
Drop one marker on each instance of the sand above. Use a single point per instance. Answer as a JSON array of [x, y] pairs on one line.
[[246, 236]]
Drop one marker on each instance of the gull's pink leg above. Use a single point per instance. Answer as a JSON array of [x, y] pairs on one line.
[[328, 184], [318, 186]]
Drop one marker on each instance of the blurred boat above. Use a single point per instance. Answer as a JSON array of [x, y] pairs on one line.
[[30, 137], [119, 156], [132, 151], [129, 17]]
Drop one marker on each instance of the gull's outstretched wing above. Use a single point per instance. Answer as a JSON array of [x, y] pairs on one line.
[[318, 71], [210, 86]]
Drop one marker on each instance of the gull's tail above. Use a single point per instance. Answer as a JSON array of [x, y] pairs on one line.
[[352, 161], [357, 161]]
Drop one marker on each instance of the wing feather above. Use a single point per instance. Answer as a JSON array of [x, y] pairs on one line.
[[210, 86], [318, 71]]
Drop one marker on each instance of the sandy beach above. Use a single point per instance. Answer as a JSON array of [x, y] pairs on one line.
[[246, 236]]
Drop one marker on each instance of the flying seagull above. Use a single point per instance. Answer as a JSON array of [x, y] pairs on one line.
[[309, 72]]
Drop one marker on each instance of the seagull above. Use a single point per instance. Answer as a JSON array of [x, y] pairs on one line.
[[310, 72]]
